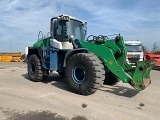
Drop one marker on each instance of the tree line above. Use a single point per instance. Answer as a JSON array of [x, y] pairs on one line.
[[155, 49]]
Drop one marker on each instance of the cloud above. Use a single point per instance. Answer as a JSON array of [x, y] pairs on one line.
[[21, 20], [11, 4]]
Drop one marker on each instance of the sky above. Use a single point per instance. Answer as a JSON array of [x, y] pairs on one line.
[[21, 20]]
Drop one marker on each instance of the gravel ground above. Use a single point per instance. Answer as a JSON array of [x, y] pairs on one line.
[[22, 99]]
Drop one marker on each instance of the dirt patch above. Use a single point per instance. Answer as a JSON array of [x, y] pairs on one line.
[[42, 115], [84, 105], [35, 115], [79, 118], [141, 105], [2, 67], [8, 112]]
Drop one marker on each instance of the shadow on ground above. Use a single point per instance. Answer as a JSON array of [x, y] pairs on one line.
[[156, 68], [55, 80], [59, 82], [26, 76], [120, 90]]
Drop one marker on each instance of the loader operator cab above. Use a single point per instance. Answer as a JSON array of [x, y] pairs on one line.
[[66, 29]]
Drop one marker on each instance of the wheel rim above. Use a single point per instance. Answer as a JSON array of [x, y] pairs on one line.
[[79, 74], [32, 68]]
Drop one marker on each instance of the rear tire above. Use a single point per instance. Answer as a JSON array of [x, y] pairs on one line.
[[35, 70], [84, 73], [110, 80]]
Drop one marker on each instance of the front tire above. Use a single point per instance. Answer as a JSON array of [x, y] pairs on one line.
[[84, 73], [35, 70]]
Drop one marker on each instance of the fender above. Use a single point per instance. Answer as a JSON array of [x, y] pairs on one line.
[[72, 52], [38, 51]]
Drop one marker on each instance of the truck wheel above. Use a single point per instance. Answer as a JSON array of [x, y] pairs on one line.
[[84, 73], [110, 80], [35, 70]]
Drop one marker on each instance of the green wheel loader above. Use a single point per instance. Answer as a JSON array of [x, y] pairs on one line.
[[86, 64]]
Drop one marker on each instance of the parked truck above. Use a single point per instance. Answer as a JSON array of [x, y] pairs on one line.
[[85, 63], [134, 51]]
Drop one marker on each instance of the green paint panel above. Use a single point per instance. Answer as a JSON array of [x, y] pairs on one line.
[[43, 42], [107, 56], [113, 54]]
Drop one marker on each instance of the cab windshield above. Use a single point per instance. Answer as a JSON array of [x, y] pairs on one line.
[[77, 29], [134, 48]]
